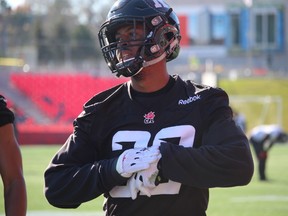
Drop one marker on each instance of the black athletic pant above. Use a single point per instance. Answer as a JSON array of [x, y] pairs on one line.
[[261, 154]]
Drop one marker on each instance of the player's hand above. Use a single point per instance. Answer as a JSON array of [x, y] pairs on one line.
[[135, 160], [135, 185], [150, 176], [144, 180]]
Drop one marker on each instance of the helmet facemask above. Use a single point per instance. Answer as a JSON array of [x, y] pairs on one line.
[[159, 41]]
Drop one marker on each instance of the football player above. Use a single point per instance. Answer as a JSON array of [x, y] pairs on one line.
[[11, 165], [155, 144], [262, 138]]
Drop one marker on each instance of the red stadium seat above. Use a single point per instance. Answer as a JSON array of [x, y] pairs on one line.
[[61, 97]]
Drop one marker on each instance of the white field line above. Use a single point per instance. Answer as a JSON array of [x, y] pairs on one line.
[[264, 198], [55, 213]]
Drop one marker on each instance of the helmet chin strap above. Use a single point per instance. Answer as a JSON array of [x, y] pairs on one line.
[[154, 61], [129, 67], [132, 66]]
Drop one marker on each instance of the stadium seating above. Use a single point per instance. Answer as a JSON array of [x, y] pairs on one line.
[[60, 97]]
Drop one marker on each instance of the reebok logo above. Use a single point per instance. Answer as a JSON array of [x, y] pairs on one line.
[[189, 100]]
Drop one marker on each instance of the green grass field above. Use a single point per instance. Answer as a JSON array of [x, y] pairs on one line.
[[256, 199], [259, 87]]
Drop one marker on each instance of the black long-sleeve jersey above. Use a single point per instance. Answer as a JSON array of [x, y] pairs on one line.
[[201, 148], [6, 115]]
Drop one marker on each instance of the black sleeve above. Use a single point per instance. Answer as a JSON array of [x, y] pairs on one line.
[[6, 115], [76, 174], [223, 158]]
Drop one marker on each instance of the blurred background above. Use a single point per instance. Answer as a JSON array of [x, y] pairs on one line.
[[51, 63]]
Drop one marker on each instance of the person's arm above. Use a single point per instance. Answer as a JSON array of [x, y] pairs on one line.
[[223, 160], [12, 173], [78, 172], [223, 157]]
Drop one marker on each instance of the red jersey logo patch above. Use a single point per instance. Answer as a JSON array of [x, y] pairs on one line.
[[149, 118]]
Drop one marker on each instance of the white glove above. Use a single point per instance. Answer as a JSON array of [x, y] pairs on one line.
[[144, 180], [149, 175], [134, 160], [135, 185]]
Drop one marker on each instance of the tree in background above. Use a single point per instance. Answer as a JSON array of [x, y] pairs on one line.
[[44, 54], [5, 10], [56, 31], [84, 44], [61, 43]]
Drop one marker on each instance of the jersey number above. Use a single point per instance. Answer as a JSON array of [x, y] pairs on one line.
[[186, 135]]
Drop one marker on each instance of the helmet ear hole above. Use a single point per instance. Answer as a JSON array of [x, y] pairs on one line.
[[169, 36], [165, 38]]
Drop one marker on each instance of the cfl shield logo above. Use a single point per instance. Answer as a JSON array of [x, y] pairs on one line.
[[149, 118]]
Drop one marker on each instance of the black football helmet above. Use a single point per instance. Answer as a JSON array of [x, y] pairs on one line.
[[161, 35]]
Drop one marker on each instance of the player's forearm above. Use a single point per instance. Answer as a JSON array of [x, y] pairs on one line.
[[69, 187], [207, 168], [15, 198], [223, 160], [216, 170]]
